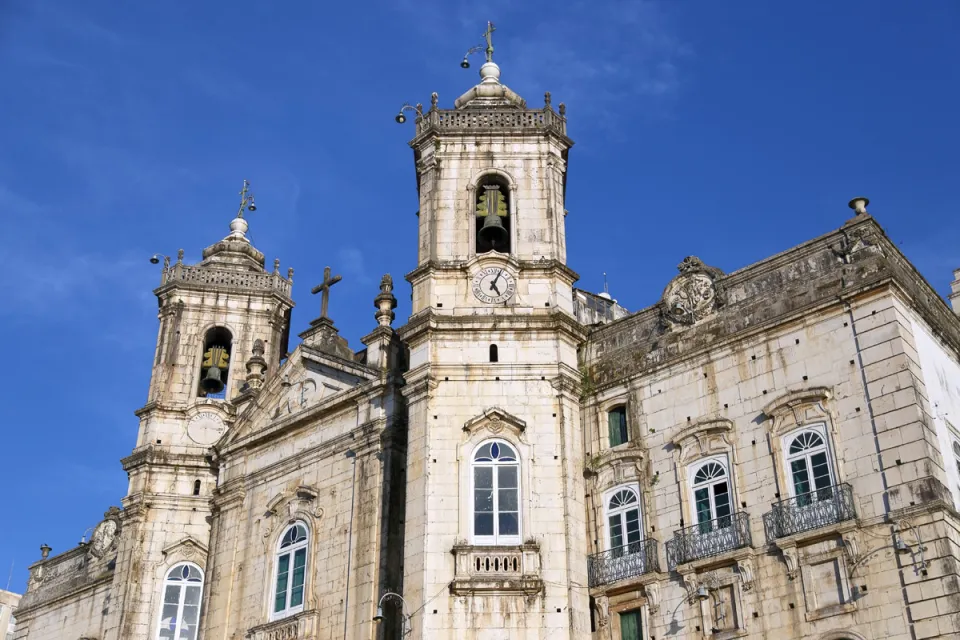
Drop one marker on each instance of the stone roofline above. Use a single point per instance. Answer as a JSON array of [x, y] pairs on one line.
[[849, 261], [492, 120], [204, 278]]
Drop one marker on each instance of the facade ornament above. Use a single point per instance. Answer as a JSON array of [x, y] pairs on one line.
[[179, 256], [256, 366], [546, 99], [290, 274], [653, 596], [693, 295], [563, 109], [851, 549], [745, 567], [324, 289], [792, 561], [859, 205], [276, 265], [856, 243], [603, 610], [385, 302], [419, 109], [434, 98]]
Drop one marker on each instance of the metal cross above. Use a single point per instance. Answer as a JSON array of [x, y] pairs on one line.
[[325, 288], [488, 34]]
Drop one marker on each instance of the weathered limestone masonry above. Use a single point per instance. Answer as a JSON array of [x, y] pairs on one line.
[[770, 453], [839, 335]]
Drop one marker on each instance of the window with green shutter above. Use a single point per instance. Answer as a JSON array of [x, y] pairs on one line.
[[630, 627], [617, 423]]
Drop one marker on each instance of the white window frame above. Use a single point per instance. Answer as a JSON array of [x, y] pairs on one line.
[[496, 538], [183, 585], [633, 488], [727, 477], [821, 430], [291, 551]]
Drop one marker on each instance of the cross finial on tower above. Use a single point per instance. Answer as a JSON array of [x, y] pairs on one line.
[[325, 288], [246, 200], [488, 34]]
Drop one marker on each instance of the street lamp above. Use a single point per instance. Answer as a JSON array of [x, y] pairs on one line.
[[404, 618], [400, 118]]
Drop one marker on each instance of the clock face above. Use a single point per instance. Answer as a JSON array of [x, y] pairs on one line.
[[205, 428], [494, 285], [103, 536]]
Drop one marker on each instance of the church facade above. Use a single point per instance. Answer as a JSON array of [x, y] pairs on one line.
[[773, 452]]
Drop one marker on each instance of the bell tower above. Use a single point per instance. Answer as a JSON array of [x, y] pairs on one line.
[[223, 321], [494, 525]]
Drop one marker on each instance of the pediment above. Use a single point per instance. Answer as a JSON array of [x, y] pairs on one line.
[[704, 437], [494, 420], [188, 548], [788, 403]]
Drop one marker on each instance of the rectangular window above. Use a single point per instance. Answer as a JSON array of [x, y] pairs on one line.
[[617, 424], [630, 627]]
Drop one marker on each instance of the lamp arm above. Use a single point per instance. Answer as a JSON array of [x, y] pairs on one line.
[[473, 50]]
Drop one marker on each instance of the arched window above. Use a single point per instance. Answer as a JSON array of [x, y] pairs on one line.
[[215, 365], [493, 215], [180, 612], [623, 521], [291, 570], [711, 496], [196, 487], [494, 353], [617, 426], [811, 478], [496, 494]]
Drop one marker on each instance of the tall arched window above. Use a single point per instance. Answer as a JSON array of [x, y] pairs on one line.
[[711, 496], [811, 478], [493, 215], [496, 494], [623, 522], [215, 364], [180, 612], [291, 570]]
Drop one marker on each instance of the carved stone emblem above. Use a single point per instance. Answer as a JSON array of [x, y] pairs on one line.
[[693, 295], [104, 536]]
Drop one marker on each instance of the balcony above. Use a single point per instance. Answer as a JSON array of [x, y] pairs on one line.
[[809, 511], [497, 569], [707, 539], [624, 562]]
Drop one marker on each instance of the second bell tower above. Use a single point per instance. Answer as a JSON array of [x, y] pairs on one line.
[[494, 526]]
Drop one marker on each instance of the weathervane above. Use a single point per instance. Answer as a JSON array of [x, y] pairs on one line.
[[488, 36], [246, 200]]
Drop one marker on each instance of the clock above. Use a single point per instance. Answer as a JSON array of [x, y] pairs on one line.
[[205, 428], [103, 537], [494, 285]]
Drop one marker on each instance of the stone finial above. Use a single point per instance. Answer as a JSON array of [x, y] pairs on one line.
[[859, 205], [166, 262], [385, 302], [563, 109], [419, 109], [689, 264], [45, 550], [546, 99], [256, 366], [434, 98], [290, 274], [179, 256], [276, 265]]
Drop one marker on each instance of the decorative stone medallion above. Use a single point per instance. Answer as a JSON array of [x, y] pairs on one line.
[[103, 537], [205, 428], [693, 295]]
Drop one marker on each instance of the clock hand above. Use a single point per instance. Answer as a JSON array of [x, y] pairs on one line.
[[493, 287]]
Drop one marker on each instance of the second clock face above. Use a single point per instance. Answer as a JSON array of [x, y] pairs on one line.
[[494, 285]]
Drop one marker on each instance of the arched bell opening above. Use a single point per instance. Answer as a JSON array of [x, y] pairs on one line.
[[215, 364], [493, 215]]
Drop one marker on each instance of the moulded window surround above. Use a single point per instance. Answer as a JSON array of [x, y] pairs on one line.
[[709, 482], [495, 494], [808, 466], [180, 608], [617, 426], [290, 572], [623, 519]]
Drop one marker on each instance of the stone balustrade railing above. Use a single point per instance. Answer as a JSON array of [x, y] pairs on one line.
[[245, 280], [493, 118], [502, 569]]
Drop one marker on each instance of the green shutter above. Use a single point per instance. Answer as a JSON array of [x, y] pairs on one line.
[[630, 625], [616, 422]]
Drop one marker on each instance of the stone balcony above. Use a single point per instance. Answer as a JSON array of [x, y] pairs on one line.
[[622, 563], [301, 626], [707, 539], [490, 119], [512, 569], [809, 512], [226, 279]]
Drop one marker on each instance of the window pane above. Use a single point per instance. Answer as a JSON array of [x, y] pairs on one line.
[[507, 477], [483, 524], [483, 500], [193, 596], [616, 532], [188, 627], [168, 621], [509, 524], [633, 525], [702, 499], [507, 500], [630, 625], [299, 562], [721, 499], [171, 594], [801, 478], [283, 566], [483, 477], [821, 470]]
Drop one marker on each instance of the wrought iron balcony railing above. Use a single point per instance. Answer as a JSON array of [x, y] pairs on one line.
[[628, 561], [809, 511], [709, 538]]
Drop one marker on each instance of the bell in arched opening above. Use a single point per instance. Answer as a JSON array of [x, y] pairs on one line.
[[215, 365], [493, 218]]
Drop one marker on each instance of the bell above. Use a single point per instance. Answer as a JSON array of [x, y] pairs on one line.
[[492, 230], [211, 382], [252, 207]]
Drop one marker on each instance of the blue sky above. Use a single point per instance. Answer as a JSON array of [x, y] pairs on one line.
[[730, 131]]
